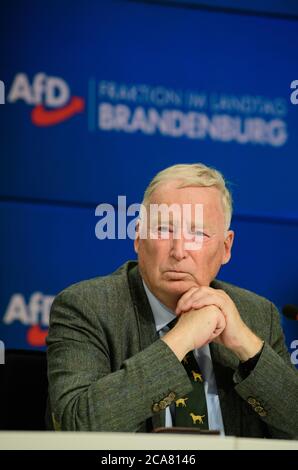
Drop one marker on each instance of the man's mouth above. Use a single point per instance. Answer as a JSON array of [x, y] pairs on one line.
[[173, 274]]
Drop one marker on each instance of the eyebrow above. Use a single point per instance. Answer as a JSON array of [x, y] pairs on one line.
[[157, 219], [193, 226]]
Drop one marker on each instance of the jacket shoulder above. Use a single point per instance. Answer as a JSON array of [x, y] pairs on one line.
[[115, 278], [256, 311], [99, 292], [240, 295]]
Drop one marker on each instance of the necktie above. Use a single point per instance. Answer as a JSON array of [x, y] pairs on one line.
[[191, 410]]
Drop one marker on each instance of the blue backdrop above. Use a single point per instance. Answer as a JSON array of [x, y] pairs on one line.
[[102, 95]]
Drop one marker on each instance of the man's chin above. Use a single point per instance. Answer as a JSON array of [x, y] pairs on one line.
[[178, 286]]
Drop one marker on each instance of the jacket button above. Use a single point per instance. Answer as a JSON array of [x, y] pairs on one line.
[[156, 408], [252, 401], [163, 404], [260, 410], [167, 400]]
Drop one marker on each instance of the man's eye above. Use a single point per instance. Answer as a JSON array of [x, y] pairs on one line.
[[199, 233]]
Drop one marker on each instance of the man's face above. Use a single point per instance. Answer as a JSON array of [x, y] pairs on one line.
[[167, 265]]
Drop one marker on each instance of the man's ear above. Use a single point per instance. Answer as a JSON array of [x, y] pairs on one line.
[[136, 242], [228, 243]]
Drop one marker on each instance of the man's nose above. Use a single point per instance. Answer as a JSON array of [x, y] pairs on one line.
[[178, 250]]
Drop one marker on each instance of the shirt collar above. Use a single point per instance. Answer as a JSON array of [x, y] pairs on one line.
[[162, 314]]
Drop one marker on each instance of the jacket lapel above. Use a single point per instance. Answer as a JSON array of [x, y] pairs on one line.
[[146, 324], [224, 365]]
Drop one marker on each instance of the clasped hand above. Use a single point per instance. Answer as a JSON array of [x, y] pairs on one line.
[[207, 314]]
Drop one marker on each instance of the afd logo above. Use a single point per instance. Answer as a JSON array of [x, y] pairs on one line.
[[34, 314], [50, 97]]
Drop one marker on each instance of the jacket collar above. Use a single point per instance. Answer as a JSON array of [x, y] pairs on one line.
[[147, 329]]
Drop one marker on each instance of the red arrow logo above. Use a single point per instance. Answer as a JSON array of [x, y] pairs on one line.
[[43, 117], [36, 336]]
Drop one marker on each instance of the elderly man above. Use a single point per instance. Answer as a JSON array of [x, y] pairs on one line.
[[161, 342]]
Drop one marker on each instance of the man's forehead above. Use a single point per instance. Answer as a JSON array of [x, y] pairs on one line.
[[198, 206], [171, 192]]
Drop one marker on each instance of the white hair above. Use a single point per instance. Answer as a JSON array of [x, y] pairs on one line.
[[195, 174]]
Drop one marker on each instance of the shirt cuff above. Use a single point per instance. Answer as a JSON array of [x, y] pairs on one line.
[[246, 367]]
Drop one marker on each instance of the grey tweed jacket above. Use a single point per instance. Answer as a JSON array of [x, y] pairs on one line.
[[109, 371]]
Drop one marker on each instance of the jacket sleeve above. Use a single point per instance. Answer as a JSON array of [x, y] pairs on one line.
[[271, 388], [85, 394]]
